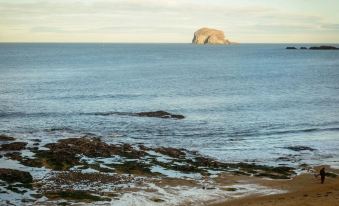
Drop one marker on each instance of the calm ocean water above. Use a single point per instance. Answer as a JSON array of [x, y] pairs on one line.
[[242, 103]]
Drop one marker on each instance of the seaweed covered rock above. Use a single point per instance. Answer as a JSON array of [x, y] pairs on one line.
[[91, 147], [11, 176], [170, 151], [6, 138], [67, 153], [75, 195], [13, 146]]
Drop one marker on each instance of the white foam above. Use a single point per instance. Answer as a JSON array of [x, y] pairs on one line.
[[168, 196], [173, 173]]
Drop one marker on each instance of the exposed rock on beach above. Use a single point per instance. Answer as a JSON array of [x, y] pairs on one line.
[[86, 169], [13, 146], [11, 176], [6, 138]]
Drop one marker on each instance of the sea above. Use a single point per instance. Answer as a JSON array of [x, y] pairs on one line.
[[242, 103]]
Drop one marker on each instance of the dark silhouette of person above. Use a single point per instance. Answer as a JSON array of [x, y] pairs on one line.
[[322, 175]]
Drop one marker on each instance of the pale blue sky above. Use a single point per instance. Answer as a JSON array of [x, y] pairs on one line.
[[262, 21]]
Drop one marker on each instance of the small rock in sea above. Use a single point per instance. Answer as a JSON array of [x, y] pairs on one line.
[[160, 114], [157, 200], [324, 48], [303, 47], [291, 47], [13, 146], [300, 148], [6, 138]]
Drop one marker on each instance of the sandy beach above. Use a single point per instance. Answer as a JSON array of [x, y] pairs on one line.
[[304, 189]]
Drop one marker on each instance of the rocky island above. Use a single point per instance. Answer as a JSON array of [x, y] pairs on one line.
[[210, 36], [315, 48]]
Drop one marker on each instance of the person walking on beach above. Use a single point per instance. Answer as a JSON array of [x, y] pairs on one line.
[[322, 175]]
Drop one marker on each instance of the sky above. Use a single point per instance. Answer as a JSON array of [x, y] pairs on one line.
[[169, 21]]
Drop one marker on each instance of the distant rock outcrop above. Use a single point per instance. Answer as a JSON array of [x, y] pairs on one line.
[[315, 48], [324, 48], [209, 36]]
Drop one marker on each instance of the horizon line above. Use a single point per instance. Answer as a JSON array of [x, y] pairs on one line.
[[95, 42]]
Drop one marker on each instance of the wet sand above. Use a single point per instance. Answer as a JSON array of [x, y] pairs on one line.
[[302, 190]]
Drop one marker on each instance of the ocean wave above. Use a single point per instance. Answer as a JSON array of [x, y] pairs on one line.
[[60, 129], [94, 96], [282, 132], [34, 114]]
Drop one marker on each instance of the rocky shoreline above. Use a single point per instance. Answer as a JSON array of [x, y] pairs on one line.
[[86, 169]]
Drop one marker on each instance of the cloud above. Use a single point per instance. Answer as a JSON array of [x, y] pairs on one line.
[[158, 18], [334, 27]]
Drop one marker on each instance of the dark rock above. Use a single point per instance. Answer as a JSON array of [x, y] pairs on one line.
[[14, 156], [169, 151], [143, 147], [36, 195], [11, 176], [74, 195], [231, 189], [290, 47], [187, 168], [73, 178], [6, 138], [206, 162], [13, 146], [66, 153], [303, 47], [133, 167], [324, 48], [300, 148], [157, 200], [160, 114]]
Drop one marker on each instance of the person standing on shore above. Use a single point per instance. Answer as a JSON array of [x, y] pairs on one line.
[[322, 175]]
